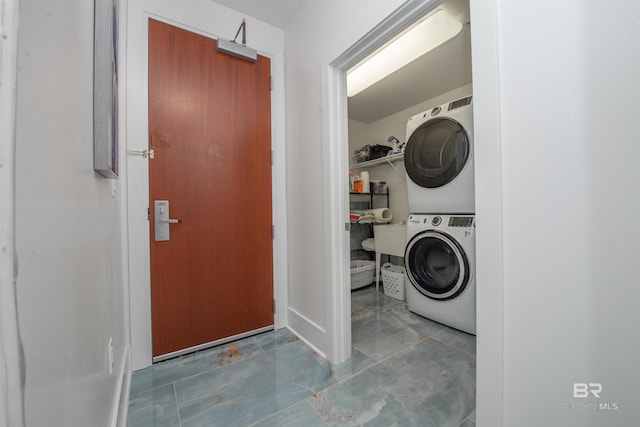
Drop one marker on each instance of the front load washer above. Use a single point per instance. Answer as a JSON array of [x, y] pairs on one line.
[[438, 158], [440, 267]]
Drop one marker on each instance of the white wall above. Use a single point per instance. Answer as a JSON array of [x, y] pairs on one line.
[[68, 230], [310, 49], [212, 20], [557, 158], [377, 132]]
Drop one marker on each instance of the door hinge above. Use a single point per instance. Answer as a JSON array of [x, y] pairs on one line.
[[271, 83], [273, 232], [148, 214], [274, 306]]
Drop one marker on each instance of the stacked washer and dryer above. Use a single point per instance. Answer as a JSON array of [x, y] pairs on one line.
[[440, 251]]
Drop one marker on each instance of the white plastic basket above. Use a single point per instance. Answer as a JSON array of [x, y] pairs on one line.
[[361, 273], [393, 281]]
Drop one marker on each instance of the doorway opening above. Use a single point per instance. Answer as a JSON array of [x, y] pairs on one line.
[[361, 125]]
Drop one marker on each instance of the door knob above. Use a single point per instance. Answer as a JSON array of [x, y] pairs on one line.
[[162, 220]]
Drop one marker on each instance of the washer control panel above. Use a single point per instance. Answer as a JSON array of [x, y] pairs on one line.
[[462, 221]]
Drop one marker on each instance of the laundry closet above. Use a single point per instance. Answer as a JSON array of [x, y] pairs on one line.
[[378, 125]]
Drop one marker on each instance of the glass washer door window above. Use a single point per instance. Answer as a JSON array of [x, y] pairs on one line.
[[436, 265], [436, 152]]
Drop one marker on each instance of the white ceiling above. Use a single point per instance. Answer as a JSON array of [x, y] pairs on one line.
[[443, 69], [274, 12]]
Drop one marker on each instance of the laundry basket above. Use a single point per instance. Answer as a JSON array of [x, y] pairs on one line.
[[361, 273], [393, 281]]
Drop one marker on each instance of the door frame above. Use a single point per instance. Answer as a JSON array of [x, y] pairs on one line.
[[211, 20], [488, 181]]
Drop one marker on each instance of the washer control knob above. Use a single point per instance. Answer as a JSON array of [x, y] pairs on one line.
[[436, 220]]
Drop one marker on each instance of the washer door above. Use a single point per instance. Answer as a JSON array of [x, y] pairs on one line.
[[436, 265], [436, 152]]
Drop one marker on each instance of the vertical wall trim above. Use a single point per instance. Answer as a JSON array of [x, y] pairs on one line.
[[120, 404], [338, 307], [485, 43], [11, 354]]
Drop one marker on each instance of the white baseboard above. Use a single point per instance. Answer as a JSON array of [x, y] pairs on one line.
[[120, 410], [309, 332]]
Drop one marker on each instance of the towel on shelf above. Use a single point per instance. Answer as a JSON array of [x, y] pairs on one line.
[[361, 216], [369, 216]]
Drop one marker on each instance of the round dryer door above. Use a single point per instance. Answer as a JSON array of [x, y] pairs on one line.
[[436, 265], [436, 152]]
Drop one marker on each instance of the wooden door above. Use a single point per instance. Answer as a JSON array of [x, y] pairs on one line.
[[210, 128]]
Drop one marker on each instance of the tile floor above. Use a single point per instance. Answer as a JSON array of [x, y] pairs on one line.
[[405, 371]]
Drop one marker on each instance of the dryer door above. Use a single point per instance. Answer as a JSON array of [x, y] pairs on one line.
[[436, 265], [436, 152]]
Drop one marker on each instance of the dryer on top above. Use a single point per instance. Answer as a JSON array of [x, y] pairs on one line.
[[438, 158]]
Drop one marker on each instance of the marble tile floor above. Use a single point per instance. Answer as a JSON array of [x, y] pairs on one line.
[[405, 371]]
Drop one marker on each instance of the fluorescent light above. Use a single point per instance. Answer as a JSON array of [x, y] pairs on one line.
[[420, 39]]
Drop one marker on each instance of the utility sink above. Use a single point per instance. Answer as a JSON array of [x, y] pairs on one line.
[[390, 240]]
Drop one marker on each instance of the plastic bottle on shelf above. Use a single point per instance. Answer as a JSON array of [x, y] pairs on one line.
[[357, 185], [364, 177]]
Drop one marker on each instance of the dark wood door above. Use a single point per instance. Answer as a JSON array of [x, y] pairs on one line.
[[210, 128]]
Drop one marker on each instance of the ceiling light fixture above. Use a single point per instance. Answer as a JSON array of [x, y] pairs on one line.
[[418, 40]]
